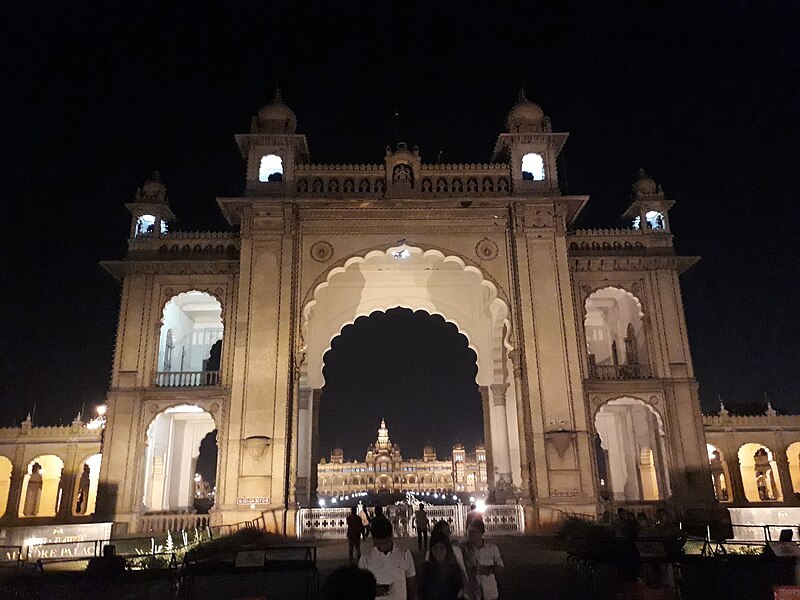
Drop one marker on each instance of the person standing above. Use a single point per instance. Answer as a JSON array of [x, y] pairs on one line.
[[392, 567], [421, 519], [473, 515], [483, 563], [355, 529], [442, 577]]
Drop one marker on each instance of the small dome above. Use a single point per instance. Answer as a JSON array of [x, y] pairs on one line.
[[275, 117], [429, 449], [152, 190], [645, 185], [337, 452], [525, 116]]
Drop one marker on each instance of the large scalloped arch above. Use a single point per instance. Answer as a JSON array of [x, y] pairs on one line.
[[616, 400], [323, 281], [213, 294]]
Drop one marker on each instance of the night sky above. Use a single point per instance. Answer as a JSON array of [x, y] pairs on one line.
[[97, 97]]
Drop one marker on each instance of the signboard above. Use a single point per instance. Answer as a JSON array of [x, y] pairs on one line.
[[786, 592], [56, 541], [255, 500]]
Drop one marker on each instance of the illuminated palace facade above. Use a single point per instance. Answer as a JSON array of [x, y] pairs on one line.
[[385, 471]]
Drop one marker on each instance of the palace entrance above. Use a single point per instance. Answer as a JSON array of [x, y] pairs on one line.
[[430, 282]]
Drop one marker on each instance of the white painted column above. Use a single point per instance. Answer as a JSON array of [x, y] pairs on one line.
[[304, 459], [501, 451]]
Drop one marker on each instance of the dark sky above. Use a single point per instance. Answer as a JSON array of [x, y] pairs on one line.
[[95, 97]]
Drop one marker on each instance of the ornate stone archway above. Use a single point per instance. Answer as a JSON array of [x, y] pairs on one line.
[[406, 276]]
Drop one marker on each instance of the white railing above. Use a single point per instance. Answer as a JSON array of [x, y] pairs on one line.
[[499, 519], [160, 523], [187, 378]]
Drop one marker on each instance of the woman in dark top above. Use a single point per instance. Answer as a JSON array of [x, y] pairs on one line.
[[442, 577]]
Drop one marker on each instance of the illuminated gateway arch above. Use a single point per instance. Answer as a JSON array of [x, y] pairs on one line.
[[583, 360]]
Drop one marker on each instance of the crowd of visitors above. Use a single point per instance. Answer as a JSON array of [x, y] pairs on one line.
[[450, 569]]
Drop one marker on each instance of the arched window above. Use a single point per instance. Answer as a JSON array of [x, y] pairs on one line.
[[720, 478], [41, 493], [615, 337], [270, 168], [654, 219], [532, 167], [793, 456], [190, 344], [146, 224], [86, 486], [759, 474]]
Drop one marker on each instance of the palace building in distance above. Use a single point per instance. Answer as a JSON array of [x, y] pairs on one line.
[[385, 471]]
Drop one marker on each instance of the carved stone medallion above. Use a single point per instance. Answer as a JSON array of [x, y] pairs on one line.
[[321, 251], [486, 249]]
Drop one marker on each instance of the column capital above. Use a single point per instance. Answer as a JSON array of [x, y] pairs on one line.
[[499, 391]]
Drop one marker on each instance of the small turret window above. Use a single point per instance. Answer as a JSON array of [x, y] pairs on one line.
[[532, 167], [271, 168], [146, 224], [655, 220]]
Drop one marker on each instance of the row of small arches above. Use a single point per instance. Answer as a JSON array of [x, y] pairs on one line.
[[371, 480], [606, 246], [197, 249], [440, 186], [758, 470]]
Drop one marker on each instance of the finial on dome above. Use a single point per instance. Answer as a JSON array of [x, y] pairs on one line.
[[156, 177], [723, 412], [521, 97], [77, 421], [277, 97], [771, 412], [383, 423]]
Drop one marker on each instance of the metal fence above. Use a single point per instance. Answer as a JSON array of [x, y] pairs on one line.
[[500, 519]]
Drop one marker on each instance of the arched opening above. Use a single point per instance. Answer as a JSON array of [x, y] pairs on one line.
[[631, 438], [412, 372], [532, 167], [5, 483], [759, 473], [270, 168], [653, 219], [86, 482], [172, 459], [720, 476], [190, 344], [205, 477], [147, 224], [442, 289], [793, 456], [41, 487], [615, 336]]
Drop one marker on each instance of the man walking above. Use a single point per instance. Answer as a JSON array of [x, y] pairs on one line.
[[421, 518], [355, 529], [392, 567]]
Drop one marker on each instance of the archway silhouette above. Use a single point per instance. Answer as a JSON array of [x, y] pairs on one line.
[[412, 368]]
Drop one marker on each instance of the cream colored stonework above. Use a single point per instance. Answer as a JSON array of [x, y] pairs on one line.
[[488, 248]]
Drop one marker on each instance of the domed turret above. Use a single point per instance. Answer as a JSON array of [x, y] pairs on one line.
[[275, 117], [526, 116], [644, 185]]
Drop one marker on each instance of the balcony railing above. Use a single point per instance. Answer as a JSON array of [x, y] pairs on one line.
[[619, 372], [187, 378]]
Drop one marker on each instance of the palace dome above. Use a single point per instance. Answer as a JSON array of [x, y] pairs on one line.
[[275, 117], [525, 116]]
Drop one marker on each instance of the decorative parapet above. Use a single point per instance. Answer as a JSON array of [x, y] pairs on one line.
[[211, 245], [594, 242], [48, 433], [754, 422]]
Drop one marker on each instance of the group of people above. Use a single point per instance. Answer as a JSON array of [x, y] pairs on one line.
[[450, 569]]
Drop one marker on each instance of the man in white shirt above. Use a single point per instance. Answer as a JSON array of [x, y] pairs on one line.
[[483, 563], [392, 567]]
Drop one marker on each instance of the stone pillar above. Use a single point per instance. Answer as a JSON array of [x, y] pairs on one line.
[[526, 485], [489, 425], [738, 496], [787, 489], [305, 461], [501, 452]]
